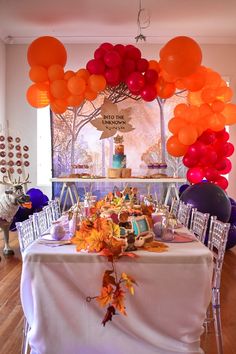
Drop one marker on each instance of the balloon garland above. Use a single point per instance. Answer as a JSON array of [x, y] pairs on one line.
[[197, 127]]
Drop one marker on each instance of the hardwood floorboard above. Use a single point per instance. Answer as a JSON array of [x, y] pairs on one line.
[[11, 315]]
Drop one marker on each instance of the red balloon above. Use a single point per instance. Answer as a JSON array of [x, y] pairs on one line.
[[99, 53], [209, 158], [95, 66], [148, 93], [132, 52], [128, 66], [142, 65], [112, 59], [106, 46], [221, 164], [120, 48], [208, 137], [228, 167], [211, 173], [112, 76], [228, 149], [151, 76], [135, 81], [188, 161], [197, 150], [195, 175], [222, 182]]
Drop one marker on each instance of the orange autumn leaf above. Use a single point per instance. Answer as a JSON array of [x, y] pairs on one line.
[[129, 281], [118, 301], [86, 226], [105, 296], [80, 240], [99, 204], [108, 278], [95, 241]]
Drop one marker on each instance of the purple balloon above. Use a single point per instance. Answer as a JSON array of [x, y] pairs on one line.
[[208, 198], [231, 242], [232, 219], [182, 188], [36, 198], [232, 201]]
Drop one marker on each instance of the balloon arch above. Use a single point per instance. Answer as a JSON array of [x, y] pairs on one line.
[[197, 127]]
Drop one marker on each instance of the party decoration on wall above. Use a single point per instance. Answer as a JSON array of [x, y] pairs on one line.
[[112, 120], [14, 156], [121, 68]]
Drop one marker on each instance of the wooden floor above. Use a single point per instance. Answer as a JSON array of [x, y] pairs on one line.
[[11, 317]]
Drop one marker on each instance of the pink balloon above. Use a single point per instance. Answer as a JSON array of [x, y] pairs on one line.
[[95, 66], [222, 182], [195, 175], [207, 137], [197, 149], [135, 81], [151, 76], [148, 93], [112, 59], [209, 158]]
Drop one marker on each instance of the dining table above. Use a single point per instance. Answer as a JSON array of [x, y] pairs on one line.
[[164, 316]]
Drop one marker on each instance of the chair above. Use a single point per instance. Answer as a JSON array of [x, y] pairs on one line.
[[218, 235], [40, 223], [26, 233], [199, 223], [49, 215], [174, 206], [56, 209], [184, 212]]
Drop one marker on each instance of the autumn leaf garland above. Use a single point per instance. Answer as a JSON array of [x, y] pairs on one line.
[[101, 235]]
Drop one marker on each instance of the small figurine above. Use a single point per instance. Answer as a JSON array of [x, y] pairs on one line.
[[131, 240]]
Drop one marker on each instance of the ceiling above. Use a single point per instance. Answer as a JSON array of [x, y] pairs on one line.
[[96, 21]]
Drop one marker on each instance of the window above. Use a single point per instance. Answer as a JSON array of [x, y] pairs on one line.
[[44, 149]]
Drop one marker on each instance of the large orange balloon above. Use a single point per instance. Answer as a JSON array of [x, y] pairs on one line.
[[175, 148], [181, 56], [38, 95], [38, 74], [46, 51]]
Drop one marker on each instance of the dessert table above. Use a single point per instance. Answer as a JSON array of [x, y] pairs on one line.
[[164, 316]]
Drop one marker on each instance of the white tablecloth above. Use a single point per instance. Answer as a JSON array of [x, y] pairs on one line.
[[165, 315]]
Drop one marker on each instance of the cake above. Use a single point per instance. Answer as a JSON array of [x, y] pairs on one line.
[[119, 158]]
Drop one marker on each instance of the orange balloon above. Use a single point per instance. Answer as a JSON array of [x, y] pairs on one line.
[[97, 83], [196, 81], [205, 110], [83, 73], [224, 94], [229, 113], [181, 56], [179, 83], [46, 51], [181, 110], [38, 95], [75, 101], [76, 85], [55, 72], [215, 121], [59, 89], [68, 74], [208, 95], [195, 98], [193, 114], [167, 77], [58, 106], [164, 89], [217, 106], [89, 94], [213, 79], [38, 74], [175, 124], [175, 148], [153, 64], [188, 135]]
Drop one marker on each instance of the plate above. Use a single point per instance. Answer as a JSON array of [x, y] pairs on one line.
[[178, 239]]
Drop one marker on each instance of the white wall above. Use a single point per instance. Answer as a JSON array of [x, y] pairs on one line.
[[22, 117], [2, 85]]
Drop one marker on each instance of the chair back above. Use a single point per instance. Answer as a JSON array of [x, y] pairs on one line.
[[49, 215], [40, 223], [174, 206], [184, 212], [199, 223], [26, 233], [56, 208], [218, 235]]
